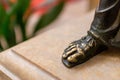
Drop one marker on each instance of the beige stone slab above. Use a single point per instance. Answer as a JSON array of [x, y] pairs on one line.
[[40, 58], [46, 49], [20, 65]]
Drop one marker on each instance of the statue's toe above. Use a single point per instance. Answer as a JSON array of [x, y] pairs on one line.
[[69, 51], [75, 57]]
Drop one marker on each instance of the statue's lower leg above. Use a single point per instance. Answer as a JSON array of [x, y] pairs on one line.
[[103, 29]]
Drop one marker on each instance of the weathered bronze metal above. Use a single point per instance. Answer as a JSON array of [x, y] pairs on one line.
[[100, 37]]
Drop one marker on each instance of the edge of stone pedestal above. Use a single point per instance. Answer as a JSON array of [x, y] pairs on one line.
[[3, 76], [12, 63]]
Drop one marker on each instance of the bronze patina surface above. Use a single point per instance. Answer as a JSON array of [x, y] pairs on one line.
[[100, 37]]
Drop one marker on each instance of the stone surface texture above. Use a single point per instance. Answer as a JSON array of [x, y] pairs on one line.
[[40, 57]]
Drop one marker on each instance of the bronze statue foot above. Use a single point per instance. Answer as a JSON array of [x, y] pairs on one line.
[[81, 50]]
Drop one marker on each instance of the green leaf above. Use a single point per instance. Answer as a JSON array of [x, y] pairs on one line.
[[7, 21], [2, 15], [20, 14], [49, 17], [1, 48], [8, 31], [7, 28]]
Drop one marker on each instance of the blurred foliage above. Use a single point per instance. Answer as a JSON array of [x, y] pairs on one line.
[[14, 17]]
